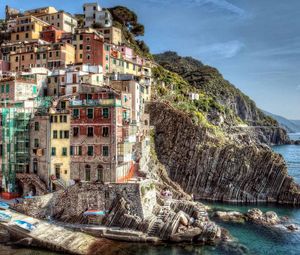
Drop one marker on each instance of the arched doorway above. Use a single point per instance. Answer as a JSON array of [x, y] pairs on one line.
[[87, 173], [100, 173]]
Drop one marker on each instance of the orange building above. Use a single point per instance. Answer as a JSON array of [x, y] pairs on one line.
[[51, 34]]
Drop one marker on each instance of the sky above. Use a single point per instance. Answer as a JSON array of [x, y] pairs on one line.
[[254, 43]]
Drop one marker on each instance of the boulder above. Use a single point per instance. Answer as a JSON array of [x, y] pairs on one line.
[[257, 216], [292, 227], [230, 216]]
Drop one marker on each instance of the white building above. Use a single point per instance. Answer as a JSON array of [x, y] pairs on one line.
[[94, 14]]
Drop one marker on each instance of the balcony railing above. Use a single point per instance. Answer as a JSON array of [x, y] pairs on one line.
[[96, 102]]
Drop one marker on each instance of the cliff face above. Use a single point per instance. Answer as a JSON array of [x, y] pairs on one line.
[[209, 81], [230, 170]]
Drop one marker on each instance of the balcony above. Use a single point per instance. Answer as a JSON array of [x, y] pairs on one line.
[[96, 102]]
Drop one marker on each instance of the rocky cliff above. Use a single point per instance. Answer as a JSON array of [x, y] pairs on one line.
[[218, 167], [208, 80]]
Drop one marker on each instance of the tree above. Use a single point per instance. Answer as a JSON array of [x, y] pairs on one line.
[[124, 16], [138, 30]]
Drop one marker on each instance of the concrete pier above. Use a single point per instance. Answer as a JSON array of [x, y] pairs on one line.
[[49, 235]]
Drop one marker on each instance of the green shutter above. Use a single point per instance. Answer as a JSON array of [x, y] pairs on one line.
[[34, 90]]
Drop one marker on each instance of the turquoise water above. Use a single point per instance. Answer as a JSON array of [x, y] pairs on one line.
[[249, 238]]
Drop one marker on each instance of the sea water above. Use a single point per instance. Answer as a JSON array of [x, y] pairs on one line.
[[249, 238]]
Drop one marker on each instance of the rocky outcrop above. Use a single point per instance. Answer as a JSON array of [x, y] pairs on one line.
[[172, 220], [217, 168], [267, 219]]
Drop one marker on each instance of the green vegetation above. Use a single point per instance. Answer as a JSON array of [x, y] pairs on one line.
[[218, 93], [127, 21], [173, 89]]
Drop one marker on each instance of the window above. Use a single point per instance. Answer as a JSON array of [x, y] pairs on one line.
[[35, 166], [50, 54], [105, 131], [17, 59], [36, 143], [81, 37], [105, 113], [55, 119], [80, 56], [31, 56], [53, 151], [26, 35], [100, 174], [90, 151], [88, 56], [88, 47], [63, 106], [105, 152], [66, 134], [75, 113], [90, 113], [80, 46], [87, 173], [54, 134], [36, 126], [17, 37], [65, 118], [75, 150], [90, 132], [75, 131], [2, 88], [61, 134], [7, 88], [64, 151]]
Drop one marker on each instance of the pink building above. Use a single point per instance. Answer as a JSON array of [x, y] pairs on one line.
[[4, 66]]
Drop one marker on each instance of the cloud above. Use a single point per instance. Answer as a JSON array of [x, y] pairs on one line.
[[223, 50], [222, 4], [211, 4]]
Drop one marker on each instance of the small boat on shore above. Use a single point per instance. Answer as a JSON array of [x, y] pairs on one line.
[[94, 213], [24, 225], [5, 217], [4, 206]]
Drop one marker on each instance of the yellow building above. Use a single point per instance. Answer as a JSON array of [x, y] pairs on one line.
[[60, 146], [60, 55], [27, 28], [41, 11], [112, 35]]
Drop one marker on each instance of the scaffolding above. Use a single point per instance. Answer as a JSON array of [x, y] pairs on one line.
[[15, 139], [15, 145]]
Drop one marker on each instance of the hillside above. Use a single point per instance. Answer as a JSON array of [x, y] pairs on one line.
[[215, 146], [221, 103], [292, 126]]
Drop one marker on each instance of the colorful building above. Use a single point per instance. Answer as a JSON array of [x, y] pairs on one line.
[[60, 143], [27, 28], [51, 34], [95, 15], [96, 136], [89, 47]]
